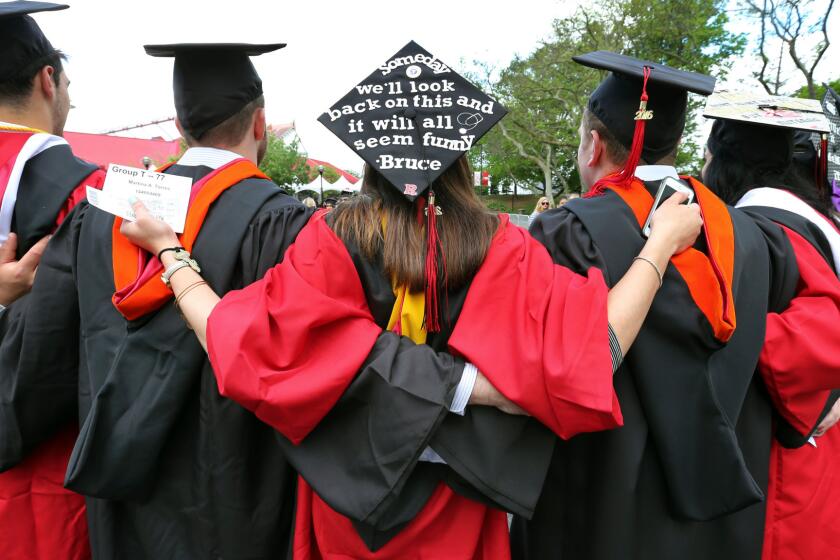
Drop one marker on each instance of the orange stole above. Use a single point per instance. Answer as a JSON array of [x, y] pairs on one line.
[[129, 260], [709, 278]]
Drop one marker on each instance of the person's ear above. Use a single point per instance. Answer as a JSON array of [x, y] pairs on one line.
[[260, 126], [596, 149], [179, 127], [45, 82]]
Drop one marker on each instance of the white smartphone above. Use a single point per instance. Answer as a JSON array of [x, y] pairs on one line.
[[667, 187]]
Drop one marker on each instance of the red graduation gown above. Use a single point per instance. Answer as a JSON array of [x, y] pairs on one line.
[[271, 349], [800, 363], [39, 518]]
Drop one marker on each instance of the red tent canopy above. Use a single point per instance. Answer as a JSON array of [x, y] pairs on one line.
[[103, 149]]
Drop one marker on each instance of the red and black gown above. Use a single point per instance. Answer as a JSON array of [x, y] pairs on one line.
[[170, 469], [39, 518], [686, 475], [536, 330], [801, 368]]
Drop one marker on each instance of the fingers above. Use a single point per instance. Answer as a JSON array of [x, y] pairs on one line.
[[29, 261], [140, 210], [675, 199], [9, 249]]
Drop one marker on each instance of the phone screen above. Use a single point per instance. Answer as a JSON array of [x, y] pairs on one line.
[[667, 192]]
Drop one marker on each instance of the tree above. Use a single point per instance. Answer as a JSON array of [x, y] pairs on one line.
[[785, 24], [820, 90], [546, 91], [284, 163]]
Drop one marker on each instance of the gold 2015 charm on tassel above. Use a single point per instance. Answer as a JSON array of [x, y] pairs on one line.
[[643, 114]]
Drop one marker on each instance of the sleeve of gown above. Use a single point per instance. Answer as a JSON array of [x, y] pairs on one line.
[[39, 354], [544, 340], [800, 360]]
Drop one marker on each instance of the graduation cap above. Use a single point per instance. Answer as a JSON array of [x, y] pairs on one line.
[[769, 130], [643, 104], [21, 40], [412, 118], [212, 81]]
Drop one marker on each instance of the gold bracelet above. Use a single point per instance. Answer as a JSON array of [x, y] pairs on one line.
[[653, 264], [187, 290]]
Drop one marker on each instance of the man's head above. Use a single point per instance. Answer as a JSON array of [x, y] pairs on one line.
[[218, 95], [244, 132], [609, 124], [33, 83]]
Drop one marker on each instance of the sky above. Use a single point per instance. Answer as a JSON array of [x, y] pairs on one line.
[[332, 45]]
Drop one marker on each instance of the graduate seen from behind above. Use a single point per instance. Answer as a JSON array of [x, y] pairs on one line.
[[750, 164], [419, 271], [685, 476], [169, 467], [40, 183]]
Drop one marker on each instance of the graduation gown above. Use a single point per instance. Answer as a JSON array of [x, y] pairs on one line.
[[801, 368], [171, 469], [39, 518], [363, 492], [685, 476]]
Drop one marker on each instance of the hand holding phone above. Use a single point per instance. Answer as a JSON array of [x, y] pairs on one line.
[[667, 188]]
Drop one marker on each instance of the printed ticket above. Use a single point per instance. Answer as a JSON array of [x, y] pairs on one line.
[[166, 196]]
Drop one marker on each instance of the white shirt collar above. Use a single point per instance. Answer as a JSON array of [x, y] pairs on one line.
[[656, 172], [213, 158]]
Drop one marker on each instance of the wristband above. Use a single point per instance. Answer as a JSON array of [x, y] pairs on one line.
[[162, 251], [653, 264]]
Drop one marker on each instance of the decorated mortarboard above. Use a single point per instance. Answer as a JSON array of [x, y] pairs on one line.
[[412, 118], [830, 145], [21, 40], [212, 81], [760, 129], [643, 104]]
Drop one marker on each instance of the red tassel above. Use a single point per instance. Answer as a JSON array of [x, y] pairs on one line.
[[622, 179], [433, 247], [822, 175]]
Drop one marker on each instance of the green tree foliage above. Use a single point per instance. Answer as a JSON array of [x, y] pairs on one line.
[[284, 163], [546, 91], [819, 91]]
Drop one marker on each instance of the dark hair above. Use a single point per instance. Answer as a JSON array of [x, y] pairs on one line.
[[616, 151], [232, 130], [731, 177], [465, 228], [17, 89]]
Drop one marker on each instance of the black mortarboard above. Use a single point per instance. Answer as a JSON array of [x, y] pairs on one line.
[[21, 40], [616, 100], [212, 81], [412, 118]]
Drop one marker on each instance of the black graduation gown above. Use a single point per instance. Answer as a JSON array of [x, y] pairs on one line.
[[172, 470], [46, 183], [644, 491]]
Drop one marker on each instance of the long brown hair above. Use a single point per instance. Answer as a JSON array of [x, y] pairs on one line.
[[465, 228]]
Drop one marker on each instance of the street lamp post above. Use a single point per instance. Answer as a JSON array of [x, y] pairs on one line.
[[321, 173], [147, 162]]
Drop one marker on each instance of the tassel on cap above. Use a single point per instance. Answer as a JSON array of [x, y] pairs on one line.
[[822, 172], [433, 249], [627, 173]]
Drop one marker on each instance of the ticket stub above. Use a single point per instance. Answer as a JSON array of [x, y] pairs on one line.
[[167, 197]]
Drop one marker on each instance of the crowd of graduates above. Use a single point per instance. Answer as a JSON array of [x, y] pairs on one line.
[[648, 372]]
